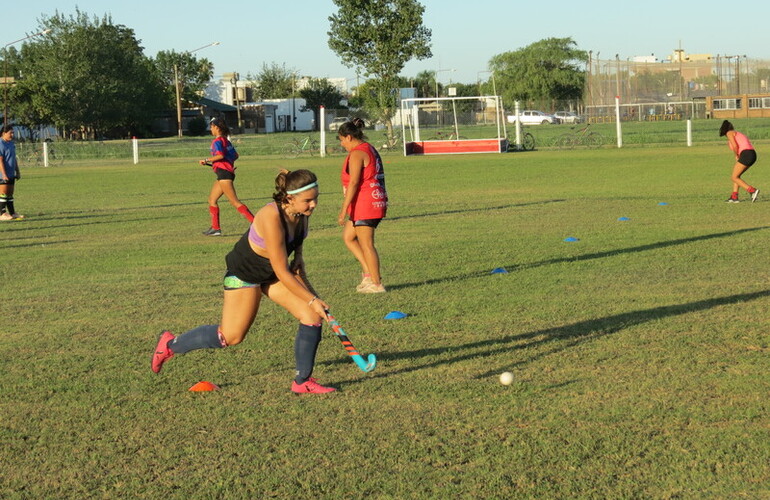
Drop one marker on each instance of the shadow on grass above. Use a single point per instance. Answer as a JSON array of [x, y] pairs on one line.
[[27, 226], [320, 227], [469, 210], [578, 258], [641, 248], [36, 244], [564, 337], [72, 214]]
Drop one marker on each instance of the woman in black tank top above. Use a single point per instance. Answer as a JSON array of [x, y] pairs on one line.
[[254, 271]]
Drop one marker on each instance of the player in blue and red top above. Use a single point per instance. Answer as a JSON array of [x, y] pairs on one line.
[[365, 202], [223, 162]]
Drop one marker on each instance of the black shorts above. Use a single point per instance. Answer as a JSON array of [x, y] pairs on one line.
[[373, 223], [224, 175], [747, 157], [10, 182]]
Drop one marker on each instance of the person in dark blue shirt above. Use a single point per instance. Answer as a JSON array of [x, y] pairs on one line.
[[9, 174]]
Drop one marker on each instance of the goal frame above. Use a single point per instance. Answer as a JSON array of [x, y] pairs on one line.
[[414, 132]]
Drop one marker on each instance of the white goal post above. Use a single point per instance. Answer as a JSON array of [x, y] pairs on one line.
[[451, 125]]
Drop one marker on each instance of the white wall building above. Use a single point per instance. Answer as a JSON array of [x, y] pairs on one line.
[[289, 117], [287, 114]]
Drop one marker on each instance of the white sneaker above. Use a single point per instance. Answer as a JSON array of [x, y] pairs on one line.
[[754, 195], [17, 216], [372, 288], [364, 283]]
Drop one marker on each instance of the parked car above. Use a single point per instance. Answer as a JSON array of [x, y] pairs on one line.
[[335, 124], [568, 117], [530, 117]]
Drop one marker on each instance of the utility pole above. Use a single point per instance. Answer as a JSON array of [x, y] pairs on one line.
[[234, 81], [178, 87], [178, 100], [293, 102]]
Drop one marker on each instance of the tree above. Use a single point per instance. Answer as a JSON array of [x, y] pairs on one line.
[[319, 92], [378, 37], [369, 99], [425, 84], [88, 74], [193, 74], [545, 71], [274, 81]]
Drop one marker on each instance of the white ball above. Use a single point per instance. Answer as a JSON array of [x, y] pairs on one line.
[[506, 378]]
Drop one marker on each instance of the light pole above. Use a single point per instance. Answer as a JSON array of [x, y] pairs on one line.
[[435, 77], [178, 87], [439, 109], [5, 71], [494, 86], [494, 90]]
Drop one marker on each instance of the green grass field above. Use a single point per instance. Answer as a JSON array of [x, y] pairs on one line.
[[639, 353]]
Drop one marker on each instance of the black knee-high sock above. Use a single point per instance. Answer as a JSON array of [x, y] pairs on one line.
[[3, 202], [203, 337], [305, 347], [11, 208]]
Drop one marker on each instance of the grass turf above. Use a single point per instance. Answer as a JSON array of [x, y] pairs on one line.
[[639, 352]]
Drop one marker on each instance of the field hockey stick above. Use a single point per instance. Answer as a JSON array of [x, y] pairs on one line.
[[366, 365]]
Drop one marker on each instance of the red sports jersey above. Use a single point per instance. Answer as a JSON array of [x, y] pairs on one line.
[[222, 146], [371, 201]]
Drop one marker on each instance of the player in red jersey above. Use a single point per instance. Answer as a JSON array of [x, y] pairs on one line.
[[365, 202], [223, 162]]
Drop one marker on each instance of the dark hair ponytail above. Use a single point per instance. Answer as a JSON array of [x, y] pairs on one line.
[[288, 181], [725, 128], [220, 123], [354, 128]]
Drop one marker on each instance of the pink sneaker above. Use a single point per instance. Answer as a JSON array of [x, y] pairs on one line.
[[310, 386], [162, 352]]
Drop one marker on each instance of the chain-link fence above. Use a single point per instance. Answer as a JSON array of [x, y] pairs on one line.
[[278, 145], [644, 123], [692, 78]]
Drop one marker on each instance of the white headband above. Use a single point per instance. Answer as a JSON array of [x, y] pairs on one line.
[[303, 188]]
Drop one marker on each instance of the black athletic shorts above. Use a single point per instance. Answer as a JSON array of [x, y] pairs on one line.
[[747, 157], [224, 175], [373, 223]]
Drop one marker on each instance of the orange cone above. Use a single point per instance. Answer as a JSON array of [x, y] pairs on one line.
[[204, 386]]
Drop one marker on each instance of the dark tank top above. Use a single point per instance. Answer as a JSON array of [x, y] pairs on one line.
[[250, 267]]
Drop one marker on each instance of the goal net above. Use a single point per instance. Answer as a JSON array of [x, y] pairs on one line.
[[452, 125]]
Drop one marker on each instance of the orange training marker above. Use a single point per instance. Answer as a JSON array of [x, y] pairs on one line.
[[204, 386]]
